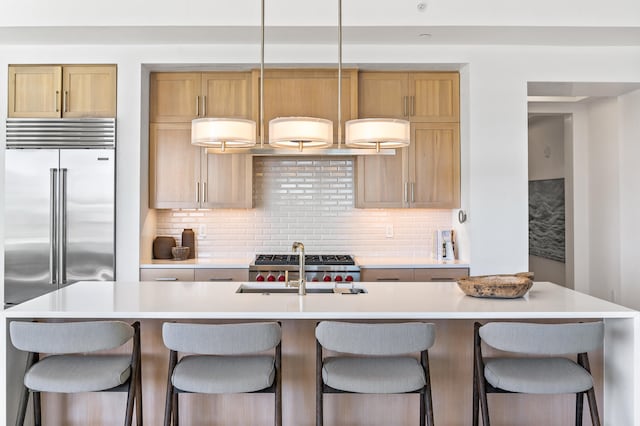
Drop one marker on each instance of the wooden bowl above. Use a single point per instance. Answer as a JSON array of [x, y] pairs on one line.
[[497, 286]]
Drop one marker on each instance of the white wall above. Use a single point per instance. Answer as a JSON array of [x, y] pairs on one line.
[[546, 161], [629, 237], [305, 13]]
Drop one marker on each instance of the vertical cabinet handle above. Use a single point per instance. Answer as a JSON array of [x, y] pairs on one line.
[[406, 192], [55, 101], [65, 96], [197, 192], [406, 100], [197, 106], [204, 105], [204, 192], [413, 192], [413, 105]]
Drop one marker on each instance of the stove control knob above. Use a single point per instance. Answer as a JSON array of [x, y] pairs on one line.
[[326, 278], [314, 279], [281, 277], [338, 278], [260, 277], [348, 278], [270, 277]]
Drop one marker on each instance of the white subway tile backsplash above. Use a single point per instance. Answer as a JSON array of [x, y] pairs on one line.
[[311, 200]]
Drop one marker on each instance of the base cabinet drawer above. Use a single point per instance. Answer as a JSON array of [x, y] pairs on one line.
[[440, 274], [167, 274], [222, 274], [387, 274]]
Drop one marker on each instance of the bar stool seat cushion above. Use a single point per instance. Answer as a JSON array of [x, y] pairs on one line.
[[373, 374], [537, 375], [220, 374], [78, 373]]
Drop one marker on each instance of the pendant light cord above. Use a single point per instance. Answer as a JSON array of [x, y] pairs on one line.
[[262, 75], [339, 73]]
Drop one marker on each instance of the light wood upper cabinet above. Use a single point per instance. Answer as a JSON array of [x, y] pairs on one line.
[[179, 97], [306, 92], [68, 91], [175, 97], [434, 165], [427, 173], [185, 176], [414, 96], [174, 167]]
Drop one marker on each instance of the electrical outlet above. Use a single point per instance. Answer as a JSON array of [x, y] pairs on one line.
[[202, 231], [388, 231]]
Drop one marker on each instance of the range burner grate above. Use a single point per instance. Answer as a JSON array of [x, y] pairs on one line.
[[309, 259]]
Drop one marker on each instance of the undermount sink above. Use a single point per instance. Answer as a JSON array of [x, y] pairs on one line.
[[311, 289]]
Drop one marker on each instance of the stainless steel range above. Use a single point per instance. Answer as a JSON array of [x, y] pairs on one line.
[[318, 267]]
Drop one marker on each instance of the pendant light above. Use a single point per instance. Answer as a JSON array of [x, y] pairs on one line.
[[213, 132], [374, 132], [298, 132]]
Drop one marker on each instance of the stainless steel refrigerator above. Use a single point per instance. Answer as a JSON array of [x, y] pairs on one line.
[[59, 204]]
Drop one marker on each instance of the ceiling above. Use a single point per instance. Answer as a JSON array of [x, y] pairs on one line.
[[423, 35]]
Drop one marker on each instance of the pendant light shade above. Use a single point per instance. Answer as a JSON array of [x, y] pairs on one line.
[[377, 133], [223, 132], [300, 132]]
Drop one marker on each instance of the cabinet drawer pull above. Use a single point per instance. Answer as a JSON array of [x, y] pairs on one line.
[[204, 192], [55, 101], [406, 192], [406, 100], [167, 279], [197, 106], [221, 279], [65, 99], [388, 279], [442, 279], [413, 192], [197, 192]]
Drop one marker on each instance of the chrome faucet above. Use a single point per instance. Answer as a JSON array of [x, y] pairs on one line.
[[302, 288]]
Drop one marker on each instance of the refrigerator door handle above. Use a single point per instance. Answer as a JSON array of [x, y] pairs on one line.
[[53, 225], [62, 271]]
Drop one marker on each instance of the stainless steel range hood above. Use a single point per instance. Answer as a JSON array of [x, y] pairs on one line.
[[280, 152]]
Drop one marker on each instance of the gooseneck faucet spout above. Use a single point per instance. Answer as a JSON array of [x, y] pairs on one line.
[[302, 288]]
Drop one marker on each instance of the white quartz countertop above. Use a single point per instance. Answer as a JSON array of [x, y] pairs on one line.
[[219, 300], [380, 262], [370, 262], [204, 263]]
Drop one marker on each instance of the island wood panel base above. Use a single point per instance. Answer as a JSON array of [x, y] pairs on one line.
[[451, 377]]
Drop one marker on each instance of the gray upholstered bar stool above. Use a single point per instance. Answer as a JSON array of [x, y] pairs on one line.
[[223, 358], [543, 370], [374, 359], [72, 366]]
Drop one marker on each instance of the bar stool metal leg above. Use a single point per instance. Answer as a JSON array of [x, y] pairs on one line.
[[37, 409], [168, 405], [428, 402], [319, 384]]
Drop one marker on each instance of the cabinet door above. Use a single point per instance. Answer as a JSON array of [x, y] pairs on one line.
[[381, 181], [309, 93], [383, 95], [434, 165], [440, 274], [167, 274], [222, 274], [89, 91], [227, 180], [226, 94], [434, 97], [174, 97], [174, 167], [35, 91]]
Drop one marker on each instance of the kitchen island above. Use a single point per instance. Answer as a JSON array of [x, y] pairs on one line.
[[617, 375]]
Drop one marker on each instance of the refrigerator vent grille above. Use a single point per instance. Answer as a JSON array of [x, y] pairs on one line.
[[61, 133]]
